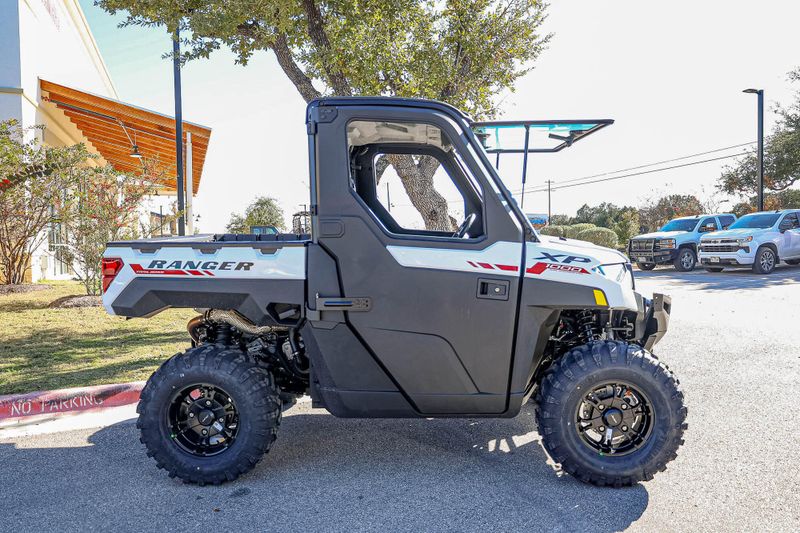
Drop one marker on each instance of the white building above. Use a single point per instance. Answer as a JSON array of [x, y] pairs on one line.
[[52, 74]]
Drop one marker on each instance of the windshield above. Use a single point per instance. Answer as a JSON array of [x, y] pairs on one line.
[[761, 221], [680, 224]]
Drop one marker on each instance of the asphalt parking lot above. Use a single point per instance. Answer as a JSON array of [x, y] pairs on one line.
[[734, 341]]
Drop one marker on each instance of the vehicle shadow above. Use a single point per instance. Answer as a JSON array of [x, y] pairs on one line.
[[729, 279], [323, 474]]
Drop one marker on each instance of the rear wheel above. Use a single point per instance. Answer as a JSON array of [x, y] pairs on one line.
[[766, 260], [685, 261], [646, 266], [209, 414], [611, 414]]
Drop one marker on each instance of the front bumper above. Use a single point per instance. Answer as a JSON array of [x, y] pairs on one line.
[[652, 319], [741, 257], [658, 256]]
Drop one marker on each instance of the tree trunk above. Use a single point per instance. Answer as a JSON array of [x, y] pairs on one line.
[[417, 179]]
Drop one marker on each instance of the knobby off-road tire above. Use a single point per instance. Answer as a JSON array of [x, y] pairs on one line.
[[685, 261], [251, 390], [577, 373], [646, 266]]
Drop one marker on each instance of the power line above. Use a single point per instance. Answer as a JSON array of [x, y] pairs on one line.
[[645, 172], [540, 188]]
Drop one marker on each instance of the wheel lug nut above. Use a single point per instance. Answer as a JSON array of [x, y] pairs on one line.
[[205, 432], [208, 402], [624, 428], [601, 428], [191, 415], [221, 419], [601, 406], [624, 406]]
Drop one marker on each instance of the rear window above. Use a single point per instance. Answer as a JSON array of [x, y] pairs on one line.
[[726, 220]]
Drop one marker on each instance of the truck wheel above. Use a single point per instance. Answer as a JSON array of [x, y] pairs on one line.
[[611, 414], [685, 261], [209, 414], [646, 266], [765, 260]]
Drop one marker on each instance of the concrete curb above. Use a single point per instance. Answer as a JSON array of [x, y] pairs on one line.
[[37, 407]]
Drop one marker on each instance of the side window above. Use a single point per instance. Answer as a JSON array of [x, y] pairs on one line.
[[790, 221], [708, 224], [726, 221], [412, 181]]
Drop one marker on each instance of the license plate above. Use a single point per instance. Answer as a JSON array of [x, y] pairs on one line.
[[713, 259], [642, 260]]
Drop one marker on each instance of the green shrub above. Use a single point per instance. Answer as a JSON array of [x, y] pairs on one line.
[[599, 236], [554, 231], [573, 231]]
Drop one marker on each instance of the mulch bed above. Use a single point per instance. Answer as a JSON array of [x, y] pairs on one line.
[[69, 302], [25, 287]]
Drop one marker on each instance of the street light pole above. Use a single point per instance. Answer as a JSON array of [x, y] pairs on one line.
[[176, 70], [760, 93]]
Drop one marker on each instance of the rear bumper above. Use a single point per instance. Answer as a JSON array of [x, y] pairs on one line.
[[658, 257], [652, 319]]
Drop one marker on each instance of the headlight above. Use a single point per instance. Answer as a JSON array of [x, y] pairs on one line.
[[666, 243], [745, 240]]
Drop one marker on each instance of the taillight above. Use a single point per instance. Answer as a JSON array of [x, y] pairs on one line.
[[110, 267]]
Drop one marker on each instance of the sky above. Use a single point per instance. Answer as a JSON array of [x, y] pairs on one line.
[[669, 73]]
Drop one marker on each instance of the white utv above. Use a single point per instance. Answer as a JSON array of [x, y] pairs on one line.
[[373, 319]]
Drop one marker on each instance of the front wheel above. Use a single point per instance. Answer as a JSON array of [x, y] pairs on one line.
[[766, 260], [685, 261], [209, 414], [611, 414]]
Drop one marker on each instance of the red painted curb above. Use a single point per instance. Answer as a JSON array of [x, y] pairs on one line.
[[64, 401]]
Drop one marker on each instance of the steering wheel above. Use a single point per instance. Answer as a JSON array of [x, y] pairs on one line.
[[461, 232]]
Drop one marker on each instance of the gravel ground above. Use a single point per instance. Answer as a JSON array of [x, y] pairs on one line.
[[734, 341]]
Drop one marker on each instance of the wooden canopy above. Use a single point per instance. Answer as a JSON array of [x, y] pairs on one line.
[[113, 128]]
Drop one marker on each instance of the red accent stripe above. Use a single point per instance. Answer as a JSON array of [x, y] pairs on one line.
[[537, 268], [473, 264], [157, 271], [510, 268], [195, 273], [208, 272], [486, 265]]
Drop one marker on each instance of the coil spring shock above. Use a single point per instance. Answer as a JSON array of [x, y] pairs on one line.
[[586, 326]]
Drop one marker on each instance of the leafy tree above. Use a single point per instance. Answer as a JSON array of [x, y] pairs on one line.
[[37, 180], [656, 213], [105, 208], [463, 52], [264, 211], [786, 199], [599, 236], [624, 221], [560, 220], [781, 155]]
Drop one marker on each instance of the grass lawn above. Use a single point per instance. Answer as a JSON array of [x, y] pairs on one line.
[[43, 349]]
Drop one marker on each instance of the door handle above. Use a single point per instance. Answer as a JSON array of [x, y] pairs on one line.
[[493, 289]]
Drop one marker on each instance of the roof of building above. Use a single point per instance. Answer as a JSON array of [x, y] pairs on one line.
[[113, 128]]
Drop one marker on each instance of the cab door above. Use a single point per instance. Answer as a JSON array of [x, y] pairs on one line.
[[441, 297]]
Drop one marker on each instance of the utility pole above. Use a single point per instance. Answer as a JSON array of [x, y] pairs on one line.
[[548, 201], [176, 72], [524, 166], [760, 94]]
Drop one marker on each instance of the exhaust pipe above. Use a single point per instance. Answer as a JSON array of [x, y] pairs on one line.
[[232, 318]]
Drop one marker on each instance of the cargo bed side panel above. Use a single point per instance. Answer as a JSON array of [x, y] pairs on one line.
[[245, 278]]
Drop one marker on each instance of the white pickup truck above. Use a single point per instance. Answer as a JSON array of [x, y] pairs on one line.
[[758, 240]]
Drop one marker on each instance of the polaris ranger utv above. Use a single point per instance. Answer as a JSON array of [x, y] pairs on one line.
[[372, 318]]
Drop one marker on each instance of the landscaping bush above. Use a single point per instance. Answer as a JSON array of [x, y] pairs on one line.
[[554, 231], [573, 230], [599, 236]]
